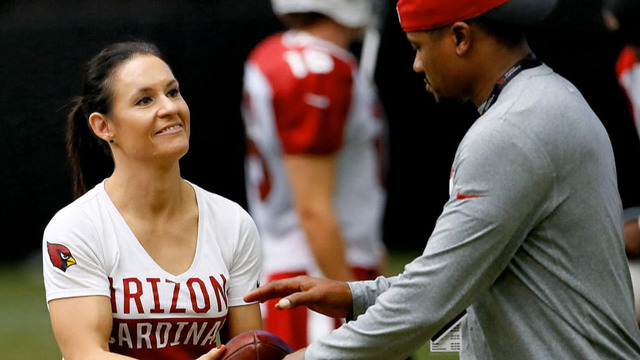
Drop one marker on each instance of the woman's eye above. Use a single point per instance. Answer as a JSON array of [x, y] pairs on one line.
[[173, 92], [143, 100]]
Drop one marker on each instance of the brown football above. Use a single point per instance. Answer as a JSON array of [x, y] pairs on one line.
[[256, 345]]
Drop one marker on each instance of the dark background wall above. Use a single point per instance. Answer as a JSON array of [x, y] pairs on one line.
[[43, 44]]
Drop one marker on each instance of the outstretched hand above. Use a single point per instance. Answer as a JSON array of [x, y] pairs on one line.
[[325, 296]]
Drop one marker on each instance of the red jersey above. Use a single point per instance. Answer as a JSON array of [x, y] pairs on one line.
[[303, 95]]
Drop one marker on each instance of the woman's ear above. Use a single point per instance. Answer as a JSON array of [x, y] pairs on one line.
[[100, 126]]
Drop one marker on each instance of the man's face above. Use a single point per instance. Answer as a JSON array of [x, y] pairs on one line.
[[434, 58]]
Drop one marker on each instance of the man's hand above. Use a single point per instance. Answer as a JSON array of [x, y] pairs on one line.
[[325, 296]]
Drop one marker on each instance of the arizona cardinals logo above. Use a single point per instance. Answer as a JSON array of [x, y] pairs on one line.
[[60, 256]]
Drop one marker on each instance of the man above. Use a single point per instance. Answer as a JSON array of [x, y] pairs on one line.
[[621, 17], [315, 130], [529, 242]]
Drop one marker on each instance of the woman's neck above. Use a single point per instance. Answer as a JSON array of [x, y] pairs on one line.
[[149, 192]]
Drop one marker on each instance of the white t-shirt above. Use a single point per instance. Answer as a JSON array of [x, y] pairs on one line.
[[89, 250]]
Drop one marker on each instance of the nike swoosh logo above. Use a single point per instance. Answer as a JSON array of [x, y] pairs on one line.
[[460, 196], [319, 101]]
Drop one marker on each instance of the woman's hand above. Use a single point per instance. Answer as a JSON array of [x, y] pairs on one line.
[[213, 354], [298, 355]]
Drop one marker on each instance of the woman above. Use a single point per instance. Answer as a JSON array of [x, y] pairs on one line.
[[143, 264]]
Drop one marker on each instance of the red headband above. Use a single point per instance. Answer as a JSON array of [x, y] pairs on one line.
[[418, 15]]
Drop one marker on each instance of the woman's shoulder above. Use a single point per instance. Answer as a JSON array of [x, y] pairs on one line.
[[79, 209], [224, 216], [218, 204], [78, 224]]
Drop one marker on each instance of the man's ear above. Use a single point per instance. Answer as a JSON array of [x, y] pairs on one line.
[[463, 35], [100, 126]]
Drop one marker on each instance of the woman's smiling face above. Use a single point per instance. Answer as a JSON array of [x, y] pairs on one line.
[[149, 118]]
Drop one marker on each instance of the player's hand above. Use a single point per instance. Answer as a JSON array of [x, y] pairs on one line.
[[213, 354], [632, 239], [298, 355], [329, 297]]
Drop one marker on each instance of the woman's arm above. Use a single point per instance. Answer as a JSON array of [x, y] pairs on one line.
[[82, 327], [241, 319]]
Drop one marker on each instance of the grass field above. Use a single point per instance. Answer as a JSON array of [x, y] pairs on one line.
[[25, 331]]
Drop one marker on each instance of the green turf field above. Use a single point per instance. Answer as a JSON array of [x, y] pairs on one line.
[[25, 331]]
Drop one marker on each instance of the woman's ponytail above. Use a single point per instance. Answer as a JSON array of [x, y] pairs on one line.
[[89, 157]]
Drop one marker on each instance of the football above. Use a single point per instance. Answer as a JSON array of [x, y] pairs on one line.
[[256, 345]]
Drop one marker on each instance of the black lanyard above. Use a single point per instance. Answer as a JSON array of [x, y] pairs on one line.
[[528, 62]]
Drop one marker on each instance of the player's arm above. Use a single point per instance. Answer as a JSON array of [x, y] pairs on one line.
[[82, 327], [312, 180], [311, 121]]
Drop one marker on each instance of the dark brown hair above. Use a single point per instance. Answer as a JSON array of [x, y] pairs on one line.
[[90, 157]]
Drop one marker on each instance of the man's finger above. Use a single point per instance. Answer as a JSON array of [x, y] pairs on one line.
[[304, 298], [274, 289], [284, 304]]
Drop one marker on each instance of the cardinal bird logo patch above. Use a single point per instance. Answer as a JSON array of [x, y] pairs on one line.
[[60, 256]]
